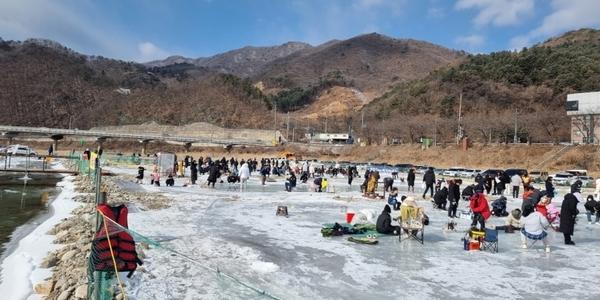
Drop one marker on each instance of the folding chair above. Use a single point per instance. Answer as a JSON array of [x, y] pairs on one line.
[[413, 229], [533, 239], [489, 242]]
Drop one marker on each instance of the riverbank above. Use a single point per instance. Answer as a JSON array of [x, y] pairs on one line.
[[21, 269]]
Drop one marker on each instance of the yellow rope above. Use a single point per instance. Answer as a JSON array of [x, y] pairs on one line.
[[113, 256]]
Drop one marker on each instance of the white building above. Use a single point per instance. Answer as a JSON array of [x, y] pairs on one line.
[[584, 110]]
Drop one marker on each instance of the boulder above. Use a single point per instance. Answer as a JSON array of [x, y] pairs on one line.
[[44, 288], [68, 255], [81, 291], [50, 261], [64, 295]]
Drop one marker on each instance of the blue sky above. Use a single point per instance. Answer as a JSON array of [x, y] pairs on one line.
[[146, 30]]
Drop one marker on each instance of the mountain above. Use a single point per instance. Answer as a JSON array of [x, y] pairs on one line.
[[242, 62], [45, 84], [497, 88], [370, 63]]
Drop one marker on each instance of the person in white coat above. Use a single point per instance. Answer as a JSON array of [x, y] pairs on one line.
[[533, 226], [244, 175]]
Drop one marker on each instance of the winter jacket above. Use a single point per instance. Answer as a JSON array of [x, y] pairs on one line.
[[292, 180], [453, 193], [440, 196], [512, 221], [549, 189], [411, 177], [515, 180], [591, 205], [429, 177], [534, 224], [480, 205], [384, 221], [245, 171], [213, 173], [568, 212]]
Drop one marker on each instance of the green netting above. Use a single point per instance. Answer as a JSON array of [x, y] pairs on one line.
[[124, 160], [114, 227]]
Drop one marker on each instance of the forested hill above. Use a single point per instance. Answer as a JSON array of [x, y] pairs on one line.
[[531, 83]]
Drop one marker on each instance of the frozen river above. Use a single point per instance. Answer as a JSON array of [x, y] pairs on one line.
[[287, 257]]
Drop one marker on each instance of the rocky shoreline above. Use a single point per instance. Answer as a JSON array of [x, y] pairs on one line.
[[69, 263]]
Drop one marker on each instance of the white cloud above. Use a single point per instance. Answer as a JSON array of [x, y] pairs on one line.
[[435, 13], [148, 52], [498, 12], [471, 41], [72, 23], [566, 15]]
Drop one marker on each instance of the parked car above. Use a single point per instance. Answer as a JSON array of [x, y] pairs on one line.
[[403, 167], [491, 172], [587, 181], [453, 172], [466, 173], [21, 150], [511, 172], [562, 178]]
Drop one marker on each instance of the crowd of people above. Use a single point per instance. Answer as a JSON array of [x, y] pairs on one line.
[[536, 215]]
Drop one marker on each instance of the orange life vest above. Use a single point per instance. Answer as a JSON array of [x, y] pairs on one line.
[[123, 245]]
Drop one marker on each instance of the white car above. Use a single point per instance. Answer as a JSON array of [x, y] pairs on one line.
[[453, 172], [562, 178], [20, 150]]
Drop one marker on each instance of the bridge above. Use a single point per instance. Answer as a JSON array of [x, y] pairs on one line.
[[57, 134]]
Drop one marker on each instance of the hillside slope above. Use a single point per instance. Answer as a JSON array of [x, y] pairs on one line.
[[529, 85], [52, 86]]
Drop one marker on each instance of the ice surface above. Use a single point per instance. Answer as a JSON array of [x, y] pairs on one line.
[[287, 256]]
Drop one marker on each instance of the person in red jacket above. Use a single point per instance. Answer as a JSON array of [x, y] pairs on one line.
[[479, 207]]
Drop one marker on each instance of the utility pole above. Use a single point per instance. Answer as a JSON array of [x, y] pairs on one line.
[[459, 131], [287, 131], [516, 127], [435, 132], [275, 121], [325, 123]]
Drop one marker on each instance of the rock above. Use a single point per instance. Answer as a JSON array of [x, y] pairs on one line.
[[81, 291], [68, 255], [44, 288], [64, 295], [50, 261], [119, 297]]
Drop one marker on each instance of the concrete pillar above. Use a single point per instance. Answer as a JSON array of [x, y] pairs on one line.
[[55, 139], [100, 142], [187, 147]]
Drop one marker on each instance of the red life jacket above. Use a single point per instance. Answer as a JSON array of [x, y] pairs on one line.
[[123, 245]]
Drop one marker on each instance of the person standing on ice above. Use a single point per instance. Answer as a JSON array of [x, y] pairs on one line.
[[429, 179], [311, 170], [213, 174], [515, 182], [453, 197], [244, 175], [568, 213], [193, 172], [410, 179], [350, 174]]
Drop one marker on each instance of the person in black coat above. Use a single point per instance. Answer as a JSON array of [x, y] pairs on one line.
[[213, 174], [453, 197], [549, 188], [568, 213], [193, 172], [290, 182], [488, 180], [429, 179], [576, 186], [388, 183], [350, 175], [440, 198], [384, 223], [410, 179]]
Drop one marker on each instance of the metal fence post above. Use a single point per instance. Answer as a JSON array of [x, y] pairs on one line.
[[100, 198]]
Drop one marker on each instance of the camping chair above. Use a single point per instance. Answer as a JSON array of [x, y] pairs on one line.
[[533, 239], [413, 230], [412, 224], [489, 242]]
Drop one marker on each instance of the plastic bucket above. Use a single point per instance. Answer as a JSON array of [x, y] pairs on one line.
[[349, 216]]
